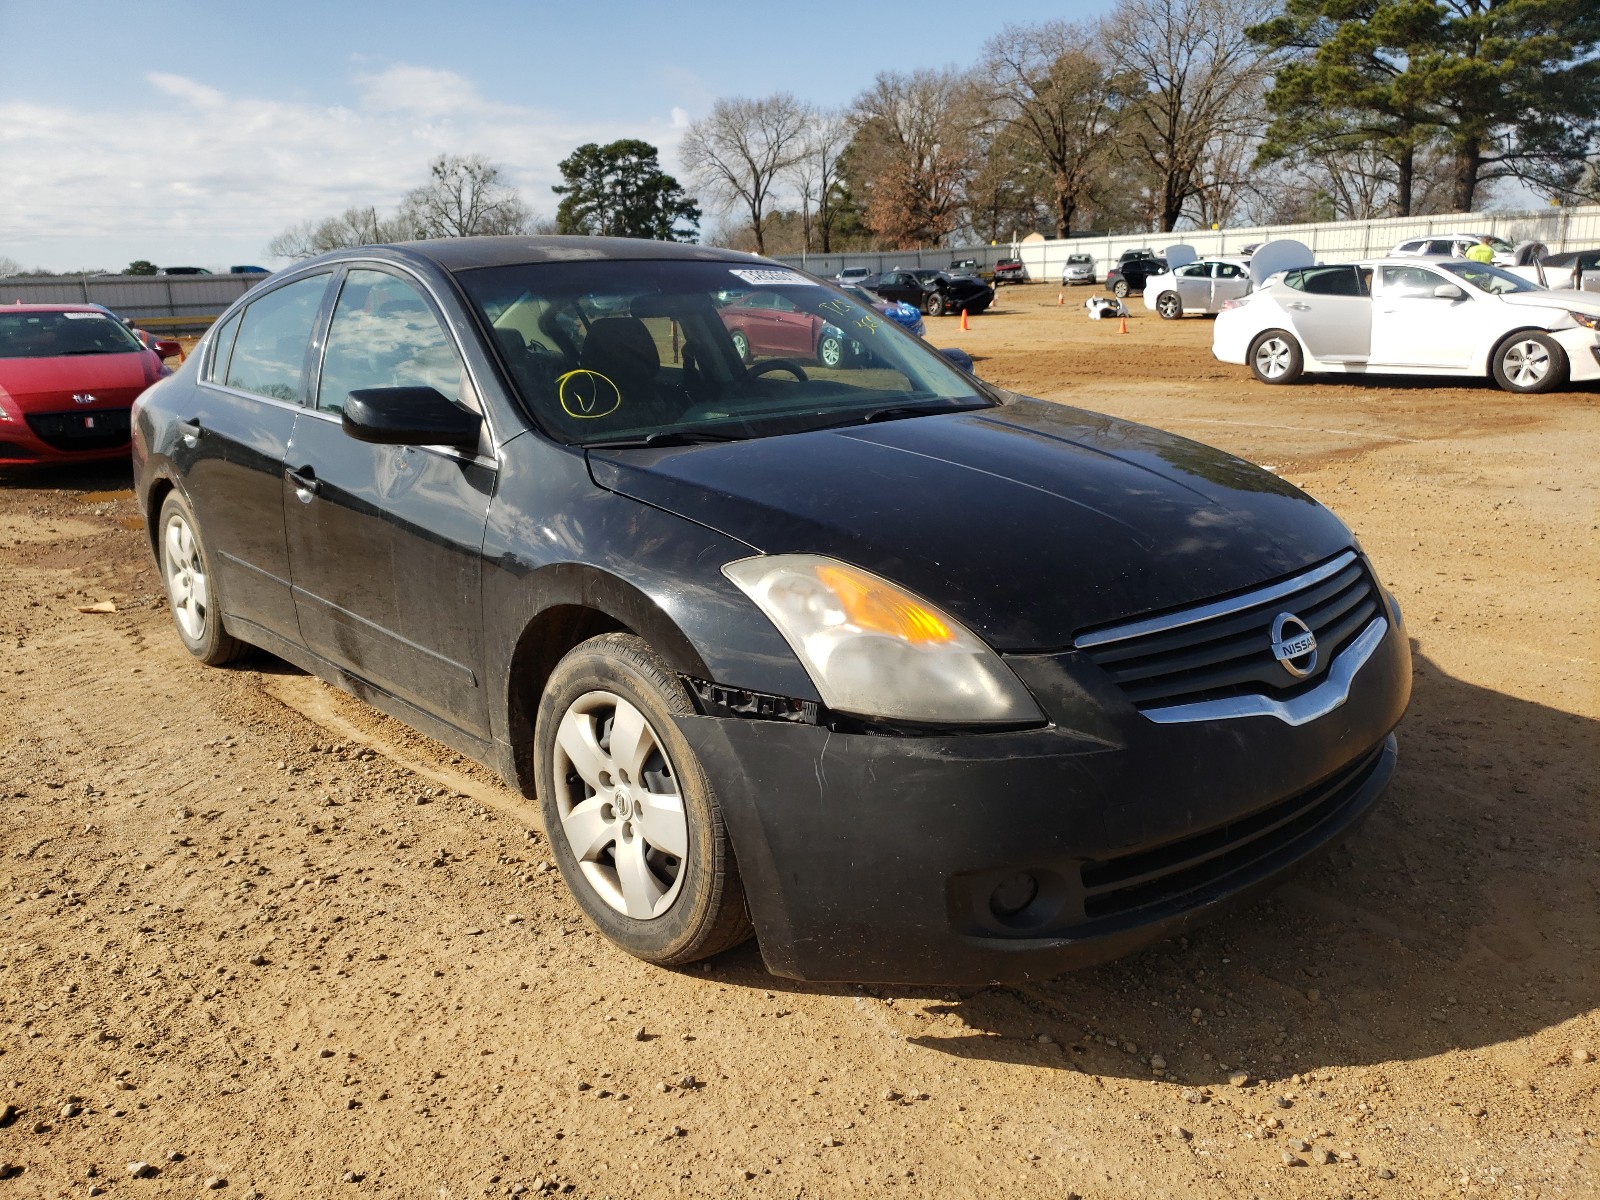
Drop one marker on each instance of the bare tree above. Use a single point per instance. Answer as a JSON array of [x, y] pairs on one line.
[[464, 197], [740, 153], [913, 152], [353, 227], [1063, 99], [1203, 79], [817, 172], [9, 266]]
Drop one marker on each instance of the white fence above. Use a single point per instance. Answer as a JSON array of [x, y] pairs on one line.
[[1332, 241]]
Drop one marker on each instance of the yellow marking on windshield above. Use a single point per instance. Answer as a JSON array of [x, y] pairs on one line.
[[587, 395]]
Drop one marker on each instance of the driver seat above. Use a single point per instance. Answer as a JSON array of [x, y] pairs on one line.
[[621, 349]]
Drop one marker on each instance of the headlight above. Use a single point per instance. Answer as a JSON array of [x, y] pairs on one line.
[[875, 650], [1587, 320]]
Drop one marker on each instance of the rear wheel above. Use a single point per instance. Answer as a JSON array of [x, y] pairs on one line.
[[1530, 362], [830, 351], [1120, 289], [741, 346], [632, 820], [936, 304], [192, 592], [1275, 357], [1169, 306]]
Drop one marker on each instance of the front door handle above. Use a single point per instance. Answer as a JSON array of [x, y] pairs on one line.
[[306, 483], [190, 432], [1298, 307]]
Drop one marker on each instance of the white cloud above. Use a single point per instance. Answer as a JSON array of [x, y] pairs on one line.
[[189, 174]]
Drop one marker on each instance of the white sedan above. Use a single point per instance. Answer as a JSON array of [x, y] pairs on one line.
[[1203, 286], [1410, 317]]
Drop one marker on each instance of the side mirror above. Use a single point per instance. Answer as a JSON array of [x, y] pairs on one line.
[[1448, 291], [167, 348], [959, 357], [409, 416]]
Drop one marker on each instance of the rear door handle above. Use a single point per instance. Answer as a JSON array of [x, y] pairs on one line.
[[190, 432], [1298, 307], [306, 483]]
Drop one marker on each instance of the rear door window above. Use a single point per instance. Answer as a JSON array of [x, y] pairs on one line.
[[269, 354], [1326, 281]]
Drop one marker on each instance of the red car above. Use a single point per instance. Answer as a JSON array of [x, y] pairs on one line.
[[768, 325], [68, 377]]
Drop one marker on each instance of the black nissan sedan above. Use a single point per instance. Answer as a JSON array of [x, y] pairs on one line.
[[913, 678]]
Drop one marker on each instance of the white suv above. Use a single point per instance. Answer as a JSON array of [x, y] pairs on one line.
[[1453, 245]]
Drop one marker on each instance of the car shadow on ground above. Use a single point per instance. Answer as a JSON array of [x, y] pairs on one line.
[[1461, 915], [112, 475]]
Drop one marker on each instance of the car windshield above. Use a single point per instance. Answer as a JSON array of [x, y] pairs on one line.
[[57, 334], [1487, 278], [1078, 260], [661, 352]]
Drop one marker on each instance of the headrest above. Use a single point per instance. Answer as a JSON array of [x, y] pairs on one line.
[[623, 346]]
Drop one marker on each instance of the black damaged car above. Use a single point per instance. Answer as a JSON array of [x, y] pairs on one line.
[[936, 293], [912, 678]]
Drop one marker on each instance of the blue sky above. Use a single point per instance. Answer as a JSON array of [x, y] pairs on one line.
[[189, 134]]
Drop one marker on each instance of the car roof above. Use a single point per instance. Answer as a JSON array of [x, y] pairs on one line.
[[26, 308], [469, 253]]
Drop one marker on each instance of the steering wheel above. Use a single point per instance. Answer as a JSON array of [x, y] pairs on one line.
[[777, 364]]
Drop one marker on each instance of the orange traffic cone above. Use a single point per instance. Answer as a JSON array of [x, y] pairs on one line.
[[1124, 328], [1061, 298], [964, 319]]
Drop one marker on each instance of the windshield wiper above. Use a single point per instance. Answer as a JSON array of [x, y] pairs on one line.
[[667, 437], [898, 412]]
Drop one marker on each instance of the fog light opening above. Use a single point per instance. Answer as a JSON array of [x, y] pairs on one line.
[[1013, 894]]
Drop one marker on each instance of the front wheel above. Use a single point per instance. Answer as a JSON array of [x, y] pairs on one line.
[[741, 346], [1530, 362], [1120, 289], [192, 592], [1275, 357], [936, 304], [1169, 306], [632, 820], [830, 351]]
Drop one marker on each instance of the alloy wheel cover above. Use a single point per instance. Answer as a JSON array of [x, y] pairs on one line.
[[621, 812]]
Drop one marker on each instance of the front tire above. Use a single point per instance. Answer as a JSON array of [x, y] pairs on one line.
[[936, 304], [741, 346], [1529, 362], [631, 818], [1275, 357], [830, 351], [193, 596]]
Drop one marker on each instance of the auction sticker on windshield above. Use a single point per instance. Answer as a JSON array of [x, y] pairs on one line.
[[768, 278]]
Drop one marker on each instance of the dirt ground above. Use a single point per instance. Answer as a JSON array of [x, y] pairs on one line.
[[260, 938]]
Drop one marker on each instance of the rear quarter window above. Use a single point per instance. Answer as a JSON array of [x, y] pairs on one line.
[[1325, 281]]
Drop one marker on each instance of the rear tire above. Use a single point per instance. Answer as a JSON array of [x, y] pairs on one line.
[[1528, 362], [1169, 306], [193, 594], [1275, 357], [830, 351], [631, 819], [936, 304], [741, 346], [1120, 289]]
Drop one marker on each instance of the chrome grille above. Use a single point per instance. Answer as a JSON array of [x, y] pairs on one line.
[[1223, 648]]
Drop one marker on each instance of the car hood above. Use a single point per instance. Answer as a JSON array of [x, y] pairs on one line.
[[1562, 298], [113, 379], [1028, 521]]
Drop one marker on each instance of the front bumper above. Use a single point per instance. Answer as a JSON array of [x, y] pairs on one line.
[[84, 435], [1583, 353], [899, 859]]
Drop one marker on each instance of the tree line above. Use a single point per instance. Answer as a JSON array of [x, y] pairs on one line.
[[1160, 115]]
